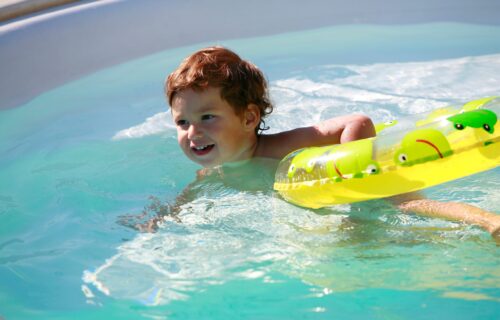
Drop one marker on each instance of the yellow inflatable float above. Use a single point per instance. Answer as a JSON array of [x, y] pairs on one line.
[[407, 155]]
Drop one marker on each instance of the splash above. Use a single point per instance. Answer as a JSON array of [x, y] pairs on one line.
[[158, 123]]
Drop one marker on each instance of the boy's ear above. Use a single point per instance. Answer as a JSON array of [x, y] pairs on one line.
[[251, 117]]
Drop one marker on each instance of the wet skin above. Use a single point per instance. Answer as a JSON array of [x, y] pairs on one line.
[[209, 131]]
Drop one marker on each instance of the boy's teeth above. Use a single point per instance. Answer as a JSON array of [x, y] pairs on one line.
[[201, 148]]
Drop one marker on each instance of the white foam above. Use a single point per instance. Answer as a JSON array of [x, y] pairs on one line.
[[158, 123], [384, 90]]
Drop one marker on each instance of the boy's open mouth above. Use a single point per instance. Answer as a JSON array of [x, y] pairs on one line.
[[202, 150]]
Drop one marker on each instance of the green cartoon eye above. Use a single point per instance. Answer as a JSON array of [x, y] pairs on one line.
[[291, 170], [403, 158], [459, 126], [487, 127], [372, 169]]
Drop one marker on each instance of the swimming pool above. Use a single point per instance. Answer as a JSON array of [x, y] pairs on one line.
[[78, 159]]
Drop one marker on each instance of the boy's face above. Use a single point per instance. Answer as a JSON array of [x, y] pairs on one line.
[[209, 131]]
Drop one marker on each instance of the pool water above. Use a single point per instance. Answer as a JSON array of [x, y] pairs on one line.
[[81, 164]]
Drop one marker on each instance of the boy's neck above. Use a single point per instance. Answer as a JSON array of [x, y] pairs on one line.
[[247, 154]]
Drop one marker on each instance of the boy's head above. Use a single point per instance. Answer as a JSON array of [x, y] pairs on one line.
[[218, 102], [240, 82]]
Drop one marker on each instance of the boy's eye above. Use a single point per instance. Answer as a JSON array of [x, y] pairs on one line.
[[207, 117], [181, 123]]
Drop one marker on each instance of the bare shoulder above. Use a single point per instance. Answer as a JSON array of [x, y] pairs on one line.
[[280, 144]]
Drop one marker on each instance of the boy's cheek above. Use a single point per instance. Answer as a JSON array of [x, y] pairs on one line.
[[179, 140], [179, 136]]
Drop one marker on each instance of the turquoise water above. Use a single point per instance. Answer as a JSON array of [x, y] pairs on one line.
[[80, 163]]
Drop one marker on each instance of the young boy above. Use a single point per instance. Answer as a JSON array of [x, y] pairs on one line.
[[219, 103]]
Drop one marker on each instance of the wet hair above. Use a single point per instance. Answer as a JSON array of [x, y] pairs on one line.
[[241, 83]]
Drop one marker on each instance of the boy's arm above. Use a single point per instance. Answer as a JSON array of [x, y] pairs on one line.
[[454, 211], [333, 131]]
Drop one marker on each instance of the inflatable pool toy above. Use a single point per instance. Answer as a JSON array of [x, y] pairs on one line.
[[407, 155]]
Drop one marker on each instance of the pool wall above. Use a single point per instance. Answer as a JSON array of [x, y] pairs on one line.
[[10, 9], [45, 50]]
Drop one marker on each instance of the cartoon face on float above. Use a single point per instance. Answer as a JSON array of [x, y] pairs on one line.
[[421, 146], [483, 118], [351, 160]]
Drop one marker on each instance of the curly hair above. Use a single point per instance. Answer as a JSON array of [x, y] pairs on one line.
[[240, 81]]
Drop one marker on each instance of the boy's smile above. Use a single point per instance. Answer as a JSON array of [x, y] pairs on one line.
[[208, 129]]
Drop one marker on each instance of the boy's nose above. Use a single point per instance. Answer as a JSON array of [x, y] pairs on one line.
[[194, 132]]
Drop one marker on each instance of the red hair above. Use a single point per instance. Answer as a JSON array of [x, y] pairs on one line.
[[241, 82]]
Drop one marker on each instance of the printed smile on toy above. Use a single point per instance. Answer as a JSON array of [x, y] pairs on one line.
[[427, 142], [201, 150], [338, 171]]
